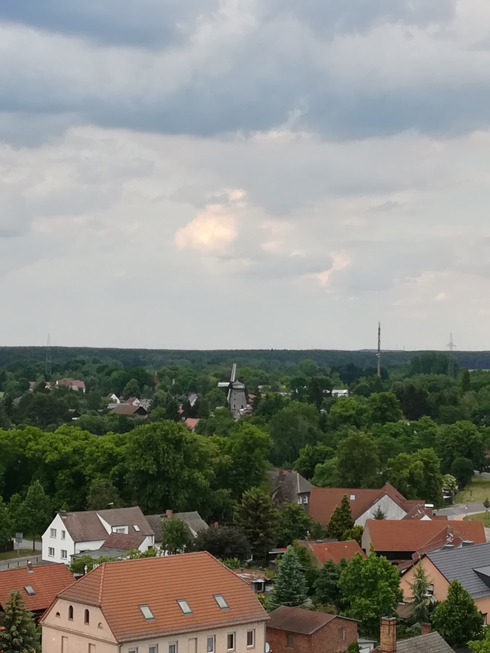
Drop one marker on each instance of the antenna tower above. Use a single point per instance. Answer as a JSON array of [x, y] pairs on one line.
[[378, 355], [451, 346], [47, 366]]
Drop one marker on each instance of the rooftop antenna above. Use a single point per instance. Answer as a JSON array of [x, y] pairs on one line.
[[47, 366], [378, 355], [451, 346]]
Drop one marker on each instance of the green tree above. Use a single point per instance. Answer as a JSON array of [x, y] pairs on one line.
[[292, 429], [14, 511], [370, 587], [481, 646], [462, 470], [350, 412], [295, 524], [290, 583], [311, 456], [256, 517], [5, 523], [466, 381], [358, 461], [86, 563], [327, 591], [35, 512], [384, 407], [20, 633], [223, 543], [131, 389], [341, 519], [417, 475], [176, 537], [379, 514], [486, 503], [460, 440], [326, 475], [457, 619], [450, 484], [102, 494], [317, 389], [354, 533], [420, 587]]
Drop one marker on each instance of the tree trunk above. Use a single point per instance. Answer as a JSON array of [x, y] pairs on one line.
[[33, 542]]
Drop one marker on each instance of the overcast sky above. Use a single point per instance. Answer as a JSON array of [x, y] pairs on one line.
[[245, 173]]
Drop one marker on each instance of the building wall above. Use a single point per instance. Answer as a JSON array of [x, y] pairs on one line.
[[391, 509], [80, 547], [324, 640], [57, 543]]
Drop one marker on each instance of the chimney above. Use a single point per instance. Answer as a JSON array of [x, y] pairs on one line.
[[29, 567], [426, 628], [387, 637], [282, 475], [168, 514], [468, 543], [216, 525]]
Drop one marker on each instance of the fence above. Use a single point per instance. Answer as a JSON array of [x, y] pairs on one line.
[[20, 562]]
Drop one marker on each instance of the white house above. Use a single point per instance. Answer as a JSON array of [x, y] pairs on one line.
[[76, 532]]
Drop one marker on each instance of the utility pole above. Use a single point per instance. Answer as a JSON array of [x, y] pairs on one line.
[[47, 366], [378, 355], [451, 346]]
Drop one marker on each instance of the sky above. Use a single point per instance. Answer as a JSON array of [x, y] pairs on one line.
[[225, 174]]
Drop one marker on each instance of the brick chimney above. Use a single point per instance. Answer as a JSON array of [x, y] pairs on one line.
[[168, 514], [216, 525], [282, 475], [426, 629], [29, 566], [387, 637]]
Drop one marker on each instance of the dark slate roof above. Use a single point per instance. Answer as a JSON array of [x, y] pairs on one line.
[[460, 564], [430, 643], [287, 489], [193, 521]]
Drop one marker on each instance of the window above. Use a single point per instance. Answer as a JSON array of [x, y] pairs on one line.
[[305, 499], [220, 600], [290, 643], [133, 650], [484, 619], [52, 532], [172, 647], [64, 645], [30, 590], [86, 617], [153, 649], [192, 647], [250, 638], [210, 645], [147, 613], [99, 625], [137, 529], [430, 591], [58, 614], [119, 529], [184, 606], [230, 642], [64, 554], [63, 535], [91, 648], [352, 497], [70, 613], [51, 552], [341, 634]]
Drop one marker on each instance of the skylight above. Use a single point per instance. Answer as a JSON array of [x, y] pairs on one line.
[[30, 590], [184, 606], [136, 528], [147, 613], [220, 600]]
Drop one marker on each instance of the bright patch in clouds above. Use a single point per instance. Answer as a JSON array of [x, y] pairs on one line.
[[211, 230]]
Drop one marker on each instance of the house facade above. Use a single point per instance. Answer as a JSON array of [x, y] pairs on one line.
[[75, 532], [177, 604], [289, 487]]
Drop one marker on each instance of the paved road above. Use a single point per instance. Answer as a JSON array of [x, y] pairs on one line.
[[19, 562], [460, 509]]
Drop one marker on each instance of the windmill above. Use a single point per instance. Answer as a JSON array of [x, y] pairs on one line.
[[236, 396]]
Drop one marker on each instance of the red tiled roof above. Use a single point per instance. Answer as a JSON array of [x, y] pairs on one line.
[[335, 551], [119, 588], [323, 501], [46, 581], [191, 423], [412, 535]]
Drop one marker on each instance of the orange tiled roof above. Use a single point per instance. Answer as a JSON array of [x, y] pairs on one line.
[[46, 581], [119, 588], [412, 535], [335, 551], [323, 501]]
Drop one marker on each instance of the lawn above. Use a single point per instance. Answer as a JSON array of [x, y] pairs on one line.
[[11, 555], [482, 516], [476, 492]]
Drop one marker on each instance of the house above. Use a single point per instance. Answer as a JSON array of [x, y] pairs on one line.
[[340, 392], [191, 423], [320, 552], [399, 540], [296, 630], [256, 579], [132, 410], [192, 520], [187, 603], [77, 532], [289, 487], [74, 414], [427, 642], [468, 564], [39, 585], [72, 384], [364, 504]]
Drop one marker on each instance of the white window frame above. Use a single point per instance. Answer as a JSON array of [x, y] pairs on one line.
[[233, 648], [52, 533], [64, 554], [213, 639], [51, 552], [251, 632], [63, 535]]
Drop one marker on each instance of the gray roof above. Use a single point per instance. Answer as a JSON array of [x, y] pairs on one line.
[[109, 552], [460, 564], [193, 521], [287, 489], [430, 643], [87, 527]]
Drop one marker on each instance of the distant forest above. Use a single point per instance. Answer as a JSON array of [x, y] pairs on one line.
[[202, 359]]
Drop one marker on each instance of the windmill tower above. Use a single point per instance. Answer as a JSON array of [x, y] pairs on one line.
[[236, 396]]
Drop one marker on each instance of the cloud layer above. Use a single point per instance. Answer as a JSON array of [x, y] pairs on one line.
[[304, 169]]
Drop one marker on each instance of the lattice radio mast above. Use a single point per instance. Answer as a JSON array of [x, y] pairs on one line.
[[47, 366], [378, 355], [451, 346]]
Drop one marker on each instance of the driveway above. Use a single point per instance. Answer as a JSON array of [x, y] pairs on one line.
[[13, 563]]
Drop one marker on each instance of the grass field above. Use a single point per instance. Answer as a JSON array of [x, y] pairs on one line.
[[476, 492], [482, 516], [11, 555]]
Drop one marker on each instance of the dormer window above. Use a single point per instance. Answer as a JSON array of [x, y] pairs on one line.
[[30, 590], [119, 529], [352, 497], [220, 600], [147, 613], [184, 606], [136, 528]]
